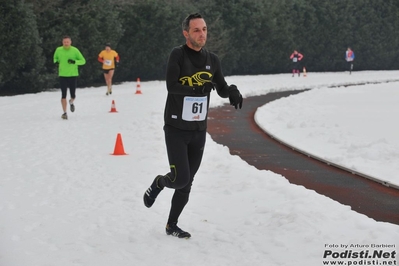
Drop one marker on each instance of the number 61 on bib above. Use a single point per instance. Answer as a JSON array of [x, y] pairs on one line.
[[195, 108]]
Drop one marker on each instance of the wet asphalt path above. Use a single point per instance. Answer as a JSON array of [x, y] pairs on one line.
[[237, 130]]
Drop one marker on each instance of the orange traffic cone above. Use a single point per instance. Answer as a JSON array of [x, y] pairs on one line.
[[119, 146], [304, 71], [113, 108], [138, 89]]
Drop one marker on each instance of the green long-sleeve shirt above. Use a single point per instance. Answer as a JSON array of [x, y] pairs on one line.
[[62, 55]]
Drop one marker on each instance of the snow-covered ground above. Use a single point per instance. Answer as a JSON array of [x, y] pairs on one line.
[[66, 201], [353, 127]]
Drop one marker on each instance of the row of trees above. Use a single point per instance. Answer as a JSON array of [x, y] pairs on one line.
[[250, 36]]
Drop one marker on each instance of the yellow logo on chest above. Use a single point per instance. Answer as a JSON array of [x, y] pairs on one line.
[[198, 79]]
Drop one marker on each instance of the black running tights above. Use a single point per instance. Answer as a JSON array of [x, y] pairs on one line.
[[185, 149]]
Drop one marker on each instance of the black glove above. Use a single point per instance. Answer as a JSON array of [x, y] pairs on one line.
[[205, 89], [70, 61], [235, 96]]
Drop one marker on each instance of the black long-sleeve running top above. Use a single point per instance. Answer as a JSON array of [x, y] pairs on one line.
[[186, 69]]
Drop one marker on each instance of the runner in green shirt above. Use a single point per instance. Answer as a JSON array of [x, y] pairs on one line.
[[68, 58]]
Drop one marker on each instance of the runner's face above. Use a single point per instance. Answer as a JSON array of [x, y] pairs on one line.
[[66, 42], [197, 33]]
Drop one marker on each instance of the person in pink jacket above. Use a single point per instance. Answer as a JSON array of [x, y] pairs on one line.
[[296, 58], [350, 57]]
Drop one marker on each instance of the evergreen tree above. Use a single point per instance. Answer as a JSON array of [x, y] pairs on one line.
[[90, 24], [152, 29], [249, 36], [22, 62]]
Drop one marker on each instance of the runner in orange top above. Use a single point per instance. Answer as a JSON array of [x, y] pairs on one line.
[[110, 60]]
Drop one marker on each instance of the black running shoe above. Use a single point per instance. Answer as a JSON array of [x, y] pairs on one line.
[[64, 116], [152, 192], [72, 107], [174, 230]]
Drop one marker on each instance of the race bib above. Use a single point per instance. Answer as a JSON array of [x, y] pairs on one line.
[[108, 62], [295, 59], [195, 108]]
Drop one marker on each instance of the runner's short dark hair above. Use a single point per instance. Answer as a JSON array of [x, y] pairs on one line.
[[186, 21]]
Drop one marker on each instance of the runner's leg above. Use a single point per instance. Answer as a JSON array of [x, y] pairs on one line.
[[195, 150], [72, 87], [64, 87], [109, 77]]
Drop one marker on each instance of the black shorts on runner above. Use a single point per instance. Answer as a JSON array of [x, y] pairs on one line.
[[106, 71], [68, 82]]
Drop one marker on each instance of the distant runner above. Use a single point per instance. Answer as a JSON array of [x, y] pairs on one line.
[[296, 58], [68, 58], [110, 59], [350, 57]]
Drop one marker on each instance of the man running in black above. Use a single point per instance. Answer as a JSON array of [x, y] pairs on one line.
[[192, 73]]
